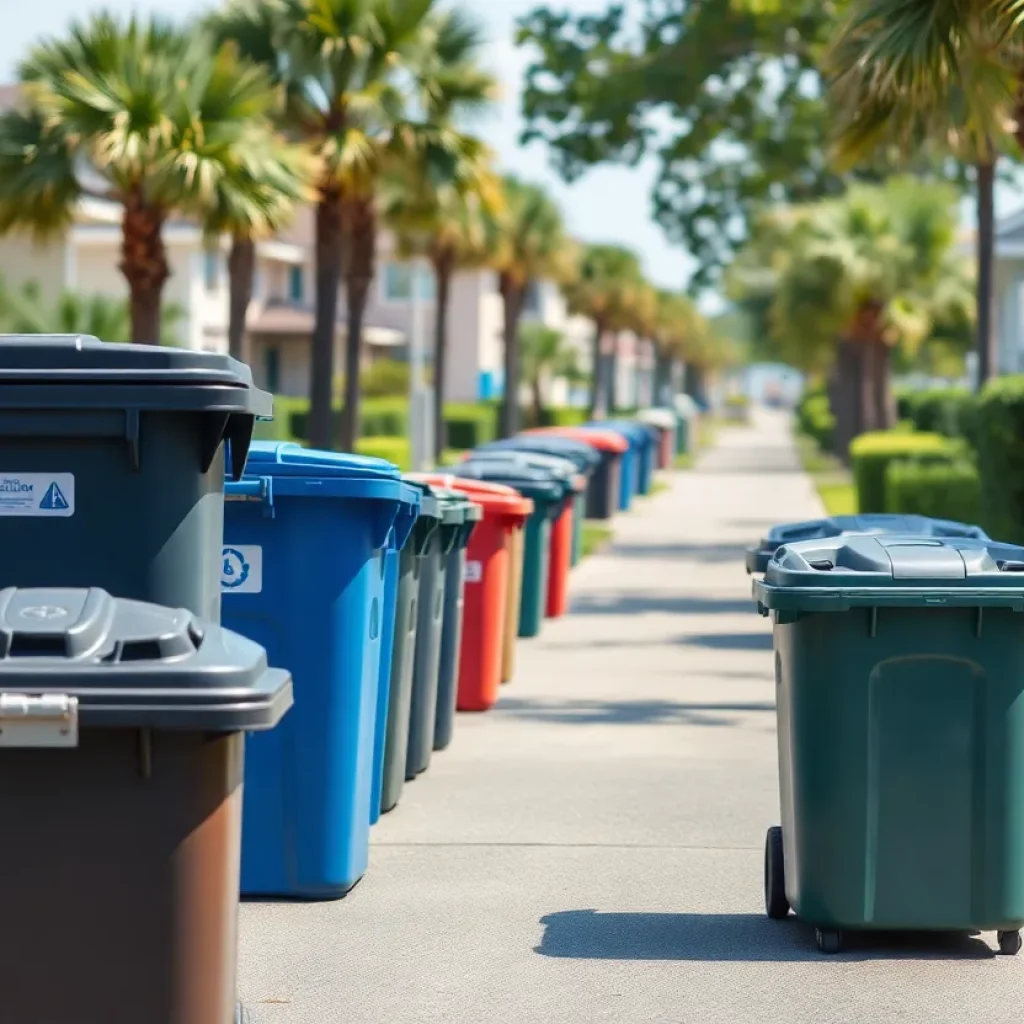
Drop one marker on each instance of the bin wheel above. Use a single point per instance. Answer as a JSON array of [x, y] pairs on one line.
[[775, 903], [830, 940], [1009, 943]]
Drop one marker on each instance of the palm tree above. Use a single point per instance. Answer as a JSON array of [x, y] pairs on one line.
[[603, 291], [369, 83], [445, 226], [255, 201], [851, 278], [141, 113], [679, 329], [23, 310], [545, 356], [527, 244], [941, 72]]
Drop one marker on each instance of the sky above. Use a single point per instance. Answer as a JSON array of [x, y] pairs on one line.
[[610, 204]]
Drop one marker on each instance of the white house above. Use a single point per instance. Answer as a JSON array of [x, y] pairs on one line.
[[280, 319], [1009, 297]]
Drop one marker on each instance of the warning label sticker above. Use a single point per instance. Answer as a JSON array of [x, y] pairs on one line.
[[474, 572], [37, 494]]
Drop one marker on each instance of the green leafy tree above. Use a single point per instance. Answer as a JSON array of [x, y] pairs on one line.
[[946, 71], [727, 95], [526, 244], [140, 112]]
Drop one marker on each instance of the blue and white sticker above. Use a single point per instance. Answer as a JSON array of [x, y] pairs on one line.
[[37, 494], [241, 569]]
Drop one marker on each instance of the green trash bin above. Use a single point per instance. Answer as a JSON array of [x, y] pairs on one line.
[[112, 472], [900, 695], [688, 414], [549, 495], [454, 510], [419, 548], [451, 632]]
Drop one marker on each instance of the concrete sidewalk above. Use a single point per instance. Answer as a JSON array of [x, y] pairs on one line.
[[592, 849]]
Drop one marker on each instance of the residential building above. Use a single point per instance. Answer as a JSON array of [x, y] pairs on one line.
[[1009, 293], [85, 259]]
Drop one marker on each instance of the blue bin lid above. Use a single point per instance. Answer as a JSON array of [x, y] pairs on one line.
[[283, 468], [904, 570], [868, 523], [408, 513], [637, 434], [585, 457]]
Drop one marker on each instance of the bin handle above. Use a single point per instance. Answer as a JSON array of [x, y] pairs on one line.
[[259, 489]]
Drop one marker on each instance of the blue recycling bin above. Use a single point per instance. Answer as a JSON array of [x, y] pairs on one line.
[[638, 464], [404, 522], [303, 574], [643, 439]]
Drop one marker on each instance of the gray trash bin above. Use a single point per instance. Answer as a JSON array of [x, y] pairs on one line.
[[112, 465], [121, 754]]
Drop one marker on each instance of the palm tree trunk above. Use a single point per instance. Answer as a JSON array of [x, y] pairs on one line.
[[144, 265], [360, 220], [443, 269], [885, 406], [241, 273], [512, 293], [328, 254], [597, 371], [612, 375], [987, 361]]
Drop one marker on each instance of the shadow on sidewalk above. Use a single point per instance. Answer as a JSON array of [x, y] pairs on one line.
[[639, 604], [711, 552], [730, 641], [589, 935], [632, 712]]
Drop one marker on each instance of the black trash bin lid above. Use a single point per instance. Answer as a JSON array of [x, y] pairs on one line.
[[759, 556], [908, 570], [112, 662], [81, 361]]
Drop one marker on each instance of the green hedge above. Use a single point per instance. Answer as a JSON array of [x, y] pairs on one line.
[[1000, 444], [394, 449], [948, 411], [870, 455], [943, 490], [815, 420], [470, 424]]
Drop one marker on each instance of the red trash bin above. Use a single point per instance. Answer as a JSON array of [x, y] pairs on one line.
[[561, 556], [488, 565]]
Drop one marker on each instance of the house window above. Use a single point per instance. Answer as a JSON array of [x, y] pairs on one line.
[[296, 284], [396, 281], [211, 269], [272, 369], [531, 300]]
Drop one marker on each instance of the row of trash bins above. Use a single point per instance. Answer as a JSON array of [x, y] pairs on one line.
[[899, 670], [157, 562]]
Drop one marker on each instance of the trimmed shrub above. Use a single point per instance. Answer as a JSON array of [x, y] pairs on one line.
[[1000, 444], [394, 449], [385, 378], [870, 455], [948, 411], [379, 417], [470, 424], [815, 420], [943, 490], [566, 416]]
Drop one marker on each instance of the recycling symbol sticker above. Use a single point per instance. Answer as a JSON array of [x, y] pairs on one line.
[[241, 569]]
